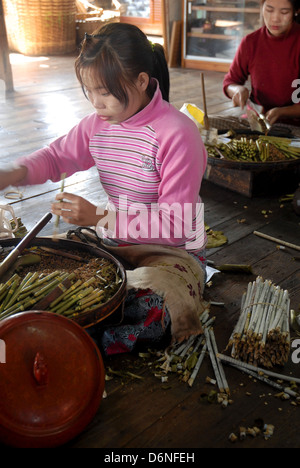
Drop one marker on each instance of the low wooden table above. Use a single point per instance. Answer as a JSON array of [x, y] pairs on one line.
[[5, 67], [254, 179]]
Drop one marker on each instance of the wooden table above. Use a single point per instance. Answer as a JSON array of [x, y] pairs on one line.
[[5, 67]]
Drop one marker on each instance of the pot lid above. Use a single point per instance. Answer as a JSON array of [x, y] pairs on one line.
[[51, 380]]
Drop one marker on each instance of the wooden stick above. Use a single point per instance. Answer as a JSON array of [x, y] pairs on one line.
[[62, 187], [206, 120], [278, 241], [12, 257], [65, 254]]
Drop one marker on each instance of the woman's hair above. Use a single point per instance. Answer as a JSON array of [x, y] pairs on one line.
[[116, 54], [296, 8]]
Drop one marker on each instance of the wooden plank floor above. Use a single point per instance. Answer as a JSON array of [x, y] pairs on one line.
[[144, 413]]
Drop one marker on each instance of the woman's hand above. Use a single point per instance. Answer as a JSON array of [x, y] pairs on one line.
[[273, 115], [239, 95], [288, 112], [74, 209]]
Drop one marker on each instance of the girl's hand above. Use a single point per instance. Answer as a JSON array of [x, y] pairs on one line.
[[12, 177], [75, 210], [3, 180]]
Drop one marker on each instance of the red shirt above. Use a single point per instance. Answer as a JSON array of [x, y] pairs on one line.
[[273, 63]]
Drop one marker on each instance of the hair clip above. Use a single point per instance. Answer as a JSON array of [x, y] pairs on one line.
[[91, 36], [152, 45]]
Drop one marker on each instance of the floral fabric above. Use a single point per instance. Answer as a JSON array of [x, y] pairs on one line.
[[146, 320]]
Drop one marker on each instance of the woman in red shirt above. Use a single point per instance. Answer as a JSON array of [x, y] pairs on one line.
[[270, 56]]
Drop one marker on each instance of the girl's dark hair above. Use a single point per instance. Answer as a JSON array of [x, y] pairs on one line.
[[116, 54], [296, 7]]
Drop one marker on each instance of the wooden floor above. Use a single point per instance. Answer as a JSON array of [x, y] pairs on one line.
[[144, 413]]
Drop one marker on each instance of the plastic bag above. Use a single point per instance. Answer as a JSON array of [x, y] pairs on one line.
[[194, 113], [210, 136], [6, 230]]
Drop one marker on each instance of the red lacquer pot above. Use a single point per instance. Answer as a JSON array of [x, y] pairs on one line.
[[51, 380]]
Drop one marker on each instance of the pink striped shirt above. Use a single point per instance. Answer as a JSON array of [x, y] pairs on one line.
[[151, 167]]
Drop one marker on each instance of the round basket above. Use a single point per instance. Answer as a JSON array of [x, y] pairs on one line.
[[41, 27], [90, 23]]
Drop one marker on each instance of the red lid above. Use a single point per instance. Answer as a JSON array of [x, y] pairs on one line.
[[52, 382]]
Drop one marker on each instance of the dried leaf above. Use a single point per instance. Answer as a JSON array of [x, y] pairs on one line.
[[215, 239]]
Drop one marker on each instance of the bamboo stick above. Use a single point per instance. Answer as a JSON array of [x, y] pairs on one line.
[[278, 241], [57, 219]]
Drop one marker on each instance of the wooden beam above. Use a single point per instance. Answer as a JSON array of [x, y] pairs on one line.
[[5, 66]]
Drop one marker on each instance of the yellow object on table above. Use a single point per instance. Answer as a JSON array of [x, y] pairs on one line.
[[197, 115]]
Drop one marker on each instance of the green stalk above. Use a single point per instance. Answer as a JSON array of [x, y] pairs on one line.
[[3, 293], [51, 285], [9, 294], [39, 282], [90, 300], [55, 304], [66, 305], [62, 187], [87, 305], [79, 288], [18, 308]]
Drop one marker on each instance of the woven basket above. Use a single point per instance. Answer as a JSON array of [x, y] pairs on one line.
[[91, 24], [41, 27]]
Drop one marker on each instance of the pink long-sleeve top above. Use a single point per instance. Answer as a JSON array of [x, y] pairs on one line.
[[150, 166]]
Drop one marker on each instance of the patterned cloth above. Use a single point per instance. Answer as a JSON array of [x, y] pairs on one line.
[[146, 322], [164, 296], [147, 319]]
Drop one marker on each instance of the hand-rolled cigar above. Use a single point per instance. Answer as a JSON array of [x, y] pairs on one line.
[[261, 335]]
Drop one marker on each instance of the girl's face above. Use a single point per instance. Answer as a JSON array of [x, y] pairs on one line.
[[278, 16], [108, 107]]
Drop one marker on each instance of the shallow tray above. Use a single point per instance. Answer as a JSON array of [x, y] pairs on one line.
[[107, 309], [255, 166]]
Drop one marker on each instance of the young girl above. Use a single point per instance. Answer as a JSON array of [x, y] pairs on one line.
[[270, 57], [150, 158]]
